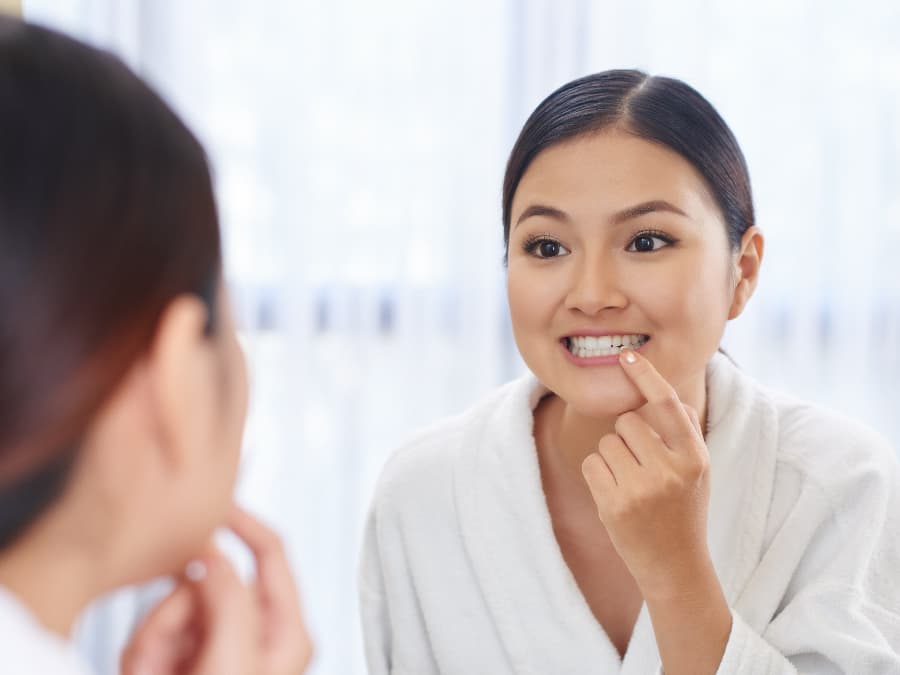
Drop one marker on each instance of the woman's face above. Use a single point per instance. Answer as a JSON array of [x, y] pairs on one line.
[[615, 240]]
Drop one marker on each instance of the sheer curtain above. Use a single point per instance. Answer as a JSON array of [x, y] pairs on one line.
[[358, 151]]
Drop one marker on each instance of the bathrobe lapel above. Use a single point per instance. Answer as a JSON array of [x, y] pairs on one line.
[[742, 432], [542, 620], [540, 615]]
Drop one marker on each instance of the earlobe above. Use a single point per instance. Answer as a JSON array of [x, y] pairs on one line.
[[747, 263]]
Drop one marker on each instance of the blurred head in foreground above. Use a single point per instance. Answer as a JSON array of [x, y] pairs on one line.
[[122, 384]]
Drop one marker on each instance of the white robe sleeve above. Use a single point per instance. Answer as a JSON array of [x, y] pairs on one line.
[[373, 605], [747, 653]]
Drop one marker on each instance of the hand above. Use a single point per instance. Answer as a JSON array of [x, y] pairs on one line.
[[650, 482], [218, 625]]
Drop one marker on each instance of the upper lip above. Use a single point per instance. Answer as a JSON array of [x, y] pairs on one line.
[[594, 332]]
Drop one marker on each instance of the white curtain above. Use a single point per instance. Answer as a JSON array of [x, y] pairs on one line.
[[358, 150]]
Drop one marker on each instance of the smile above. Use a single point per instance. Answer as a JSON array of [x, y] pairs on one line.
[[588, 346]]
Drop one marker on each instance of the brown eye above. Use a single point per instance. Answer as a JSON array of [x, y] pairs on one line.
[[649, 242], [548, 249], [544, 247], [644, 243]]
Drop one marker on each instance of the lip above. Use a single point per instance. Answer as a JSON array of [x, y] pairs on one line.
[[594, 332], [587, 361]]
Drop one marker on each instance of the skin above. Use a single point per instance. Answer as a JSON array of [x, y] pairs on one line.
[[624, 440], [128, 517]]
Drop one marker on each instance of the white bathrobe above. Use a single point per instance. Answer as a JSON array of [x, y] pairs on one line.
[[27, 648], [461, 572]]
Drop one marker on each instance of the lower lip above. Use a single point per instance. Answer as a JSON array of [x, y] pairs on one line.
[[596, 360]]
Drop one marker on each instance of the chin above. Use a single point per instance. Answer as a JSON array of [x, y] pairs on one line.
[[599, 397], [600, 408]]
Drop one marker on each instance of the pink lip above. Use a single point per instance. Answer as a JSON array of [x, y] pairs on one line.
[[593, 332], [595, 360]]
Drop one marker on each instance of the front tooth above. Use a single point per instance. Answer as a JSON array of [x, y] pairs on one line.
[[616, 340], [604, 342], [590, 343]]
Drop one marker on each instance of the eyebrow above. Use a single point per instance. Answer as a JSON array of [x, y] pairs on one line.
[[647, 207], [630, 213], [542, 210]]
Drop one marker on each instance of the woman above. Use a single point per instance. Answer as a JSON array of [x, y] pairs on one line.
[[739, 531], [122, 385]]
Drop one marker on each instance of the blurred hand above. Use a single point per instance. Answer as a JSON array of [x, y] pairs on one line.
[[218, 625]]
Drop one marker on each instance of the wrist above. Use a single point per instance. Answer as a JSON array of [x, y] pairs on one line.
[[689, 581]]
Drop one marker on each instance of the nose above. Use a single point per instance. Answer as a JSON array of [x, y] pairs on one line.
[[595, 287]]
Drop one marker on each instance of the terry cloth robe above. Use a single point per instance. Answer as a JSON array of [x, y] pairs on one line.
[[27, 648], [461, 573]]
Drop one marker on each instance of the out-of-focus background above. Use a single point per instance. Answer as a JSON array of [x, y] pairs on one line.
[[358, 150]]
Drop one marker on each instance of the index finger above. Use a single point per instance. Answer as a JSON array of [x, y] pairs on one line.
[[275, 582], [672, 421]]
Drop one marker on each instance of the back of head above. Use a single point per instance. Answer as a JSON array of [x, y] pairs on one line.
[[106, 215]]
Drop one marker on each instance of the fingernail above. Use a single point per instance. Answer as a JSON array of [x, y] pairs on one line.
[[629, 356], [195, 570]]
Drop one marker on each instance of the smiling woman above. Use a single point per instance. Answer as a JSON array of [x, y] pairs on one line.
[[636, 492]]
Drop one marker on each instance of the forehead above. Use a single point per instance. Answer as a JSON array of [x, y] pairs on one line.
[[609, 170]]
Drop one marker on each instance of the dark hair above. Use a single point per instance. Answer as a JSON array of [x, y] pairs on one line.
[[106, 215], [658, 109]]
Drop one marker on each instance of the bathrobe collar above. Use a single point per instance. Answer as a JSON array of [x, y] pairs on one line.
[[508, 534]]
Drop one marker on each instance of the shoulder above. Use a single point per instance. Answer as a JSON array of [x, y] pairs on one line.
[[813, 436], [843, 457], [28, 648], [423, 466]]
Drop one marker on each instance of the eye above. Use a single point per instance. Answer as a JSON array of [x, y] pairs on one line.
[[647, 242], [545, 247]]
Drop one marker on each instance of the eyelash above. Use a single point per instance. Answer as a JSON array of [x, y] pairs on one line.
[[535, 240], [655, 234]]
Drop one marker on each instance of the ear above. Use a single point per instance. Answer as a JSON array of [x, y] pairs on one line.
[[177, 366], [746, 269]]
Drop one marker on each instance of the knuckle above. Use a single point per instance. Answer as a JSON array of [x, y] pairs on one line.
[[699, 467], [695, 467], [671, 484], [670, 402]]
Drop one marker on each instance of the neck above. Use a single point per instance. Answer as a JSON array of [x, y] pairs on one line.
[[52, 576]]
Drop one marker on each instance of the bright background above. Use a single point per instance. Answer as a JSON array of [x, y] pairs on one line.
[[358, 150]]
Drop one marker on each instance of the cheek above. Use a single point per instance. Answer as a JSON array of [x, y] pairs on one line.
[[533, 299], [235, 408], [689, 309]]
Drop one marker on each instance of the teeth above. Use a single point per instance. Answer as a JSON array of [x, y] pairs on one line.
[[608, 345]]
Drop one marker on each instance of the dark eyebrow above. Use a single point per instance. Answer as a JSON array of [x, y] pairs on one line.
[[631, 212], [645, 208], [542, 210]]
